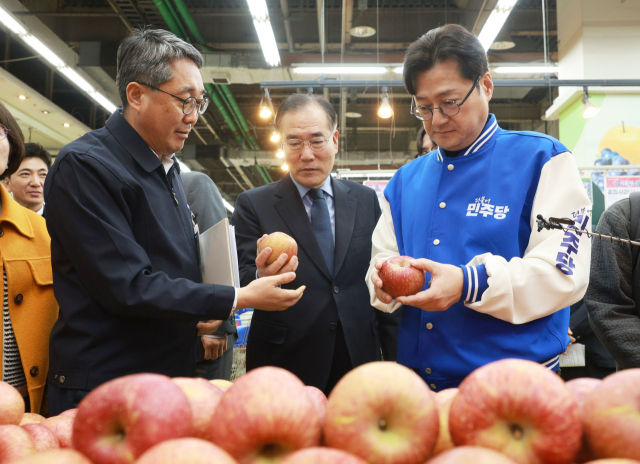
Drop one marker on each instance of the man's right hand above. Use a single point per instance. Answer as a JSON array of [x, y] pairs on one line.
[[278, 267], [265, 293], [377, 284]]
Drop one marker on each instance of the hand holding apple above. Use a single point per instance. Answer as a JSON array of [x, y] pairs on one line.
[[445, 289], [277, 254], [400, 278]]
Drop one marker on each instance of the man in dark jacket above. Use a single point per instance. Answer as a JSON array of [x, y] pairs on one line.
[[613, 295]]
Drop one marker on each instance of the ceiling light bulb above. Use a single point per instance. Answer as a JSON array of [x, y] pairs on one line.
[[385, 111], [66, 124], [279, 154], [589, 110], [285, 167], [265, 112], [22, 97], [275, 137], [362, 31], [45, 112]]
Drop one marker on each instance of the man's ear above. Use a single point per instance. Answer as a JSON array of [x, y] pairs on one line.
[[7, 183], [486, 85], [134, 95], [336, 139]]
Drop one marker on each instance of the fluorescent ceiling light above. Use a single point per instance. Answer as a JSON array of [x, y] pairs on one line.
[[399, 70], [53, 59], [261, 22], [527, 69], [227, 205], [340, 70], [495, 22]]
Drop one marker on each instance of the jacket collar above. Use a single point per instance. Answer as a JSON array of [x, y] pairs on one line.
[[15, 214], [488, 132], [131, 141]]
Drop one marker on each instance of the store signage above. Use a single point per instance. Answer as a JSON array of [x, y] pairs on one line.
[[618, 188]]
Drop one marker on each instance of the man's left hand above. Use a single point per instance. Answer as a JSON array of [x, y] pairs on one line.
[[444, 291], [208, 327], [214, 347]]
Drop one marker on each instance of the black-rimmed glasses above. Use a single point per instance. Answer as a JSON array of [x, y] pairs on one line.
[[449, 108], [188, 104], [3, 132]]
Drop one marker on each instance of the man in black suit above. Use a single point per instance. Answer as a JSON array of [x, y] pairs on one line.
[[333, 328]]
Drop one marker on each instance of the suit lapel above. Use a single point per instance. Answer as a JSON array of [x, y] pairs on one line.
[[291, 209], [345, 206]]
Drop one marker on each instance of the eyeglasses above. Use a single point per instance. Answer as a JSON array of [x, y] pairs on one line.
[[449, 108], [188, 104], [316, 144], [3, 132]]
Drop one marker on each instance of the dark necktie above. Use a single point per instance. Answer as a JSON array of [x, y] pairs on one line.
[[321, 225]]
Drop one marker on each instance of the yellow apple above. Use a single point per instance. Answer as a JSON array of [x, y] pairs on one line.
[[625, 141]]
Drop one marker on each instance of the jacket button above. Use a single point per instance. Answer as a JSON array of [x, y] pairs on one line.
[[427, 370], [18, 298], [429, 326], [34, 371], [436, 242], [450, 167], [433, 386], [443, 205], [336, 289], [333, 326], [62, 379]]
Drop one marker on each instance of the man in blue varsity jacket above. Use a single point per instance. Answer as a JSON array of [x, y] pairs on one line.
[[496, 288]]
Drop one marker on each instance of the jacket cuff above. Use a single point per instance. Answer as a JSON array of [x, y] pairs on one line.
[[475, 283]]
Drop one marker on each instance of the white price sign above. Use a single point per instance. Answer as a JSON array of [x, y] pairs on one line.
[[618, 188]]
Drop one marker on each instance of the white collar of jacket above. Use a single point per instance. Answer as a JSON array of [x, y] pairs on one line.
[[488, 133]]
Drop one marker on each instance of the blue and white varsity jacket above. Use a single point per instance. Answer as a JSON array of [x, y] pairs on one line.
[[478, 211]]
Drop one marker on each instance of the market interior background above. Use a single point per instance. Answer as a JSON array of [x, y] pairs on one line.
[[58, 66]]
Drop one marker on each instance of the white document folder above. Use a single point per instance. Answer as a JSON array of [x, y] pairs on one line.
[[219, 256]]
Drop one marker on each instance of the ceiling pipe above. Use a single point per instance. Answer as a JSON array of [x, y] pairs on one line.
[[225, 93], [287, 25]]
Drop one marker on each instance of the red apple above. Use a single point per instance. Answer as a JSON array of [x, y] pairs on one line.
[[15, 442], [11, 405], [444, 398], [31, 418], [383, 413], [470, 454], [43, 437], [279, 243], [59, 456], [203, 398], [266, 415], [581, 388], [614, 461], [121, 419], [222, 384], [62, 428], [519, 408], [186, 450], [611, 416], [399, 278], [319, 400], [318, 455], [70, 412]]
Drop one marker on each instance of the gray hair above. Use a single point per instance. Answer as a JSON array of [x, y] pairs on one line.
[[147, 55], [299, 101]]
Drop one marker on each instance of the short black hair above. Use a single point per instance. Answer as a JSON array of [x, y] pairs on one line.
[[439, 45], [35, 150], [16, 141], [299, 101]]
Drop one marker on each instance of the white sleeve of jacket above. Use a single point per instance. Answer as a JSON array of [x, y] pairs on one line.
[[384, 246], [554, 271]]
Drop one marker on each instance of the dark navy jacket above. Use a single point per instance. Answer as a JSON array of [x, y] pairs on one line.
[[125, 263]]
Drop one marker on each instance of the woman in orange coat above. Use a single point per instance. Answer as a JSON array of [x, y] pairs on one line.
[[29, 307]]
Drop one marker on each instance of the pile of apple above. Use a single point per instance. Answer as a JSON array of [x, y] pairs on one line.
[[507, 412]]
